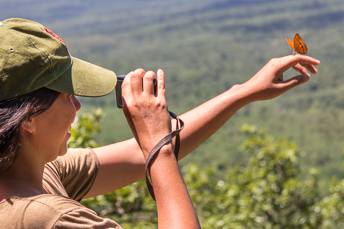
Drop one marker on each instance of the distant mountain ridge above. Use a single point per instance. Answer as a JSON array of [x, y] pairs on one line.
[[311, 14]]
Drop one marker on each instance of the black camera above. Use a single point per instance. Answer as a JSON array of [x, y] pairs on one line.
[[118, 90]]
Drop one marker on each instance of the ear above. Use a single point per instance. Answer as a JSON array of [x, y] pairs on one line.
[[28, 126]]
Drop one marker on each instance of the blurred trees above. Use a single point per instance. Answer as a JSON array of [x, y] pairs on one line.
[[271, 190]]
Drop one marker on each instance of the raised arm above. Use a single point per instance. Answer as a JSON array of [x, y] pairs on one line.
[[204, 120], [126, 157]]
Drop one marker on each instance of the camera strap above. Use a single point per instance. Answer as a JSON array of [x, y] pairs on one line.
[[156, 149]]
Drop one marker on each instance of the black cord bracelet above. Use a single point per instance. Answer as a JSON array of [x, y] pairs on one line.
[[156, 149]]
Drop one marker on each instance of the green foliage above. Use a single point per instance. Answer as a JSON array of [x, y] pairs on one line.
[[329, 211], [132, 206], [269, 191], [84, 129], [265, 193]]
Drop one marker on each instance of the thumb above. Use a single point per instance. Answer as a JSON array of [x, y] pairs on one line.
[[294, 81]]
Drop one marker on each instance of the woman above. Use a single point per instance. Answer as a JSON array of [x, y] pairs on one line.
[[38, 84]]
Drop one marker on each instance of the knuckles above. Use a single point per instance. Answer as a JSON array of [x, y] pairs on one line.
[[144, 104], [160, 105], [274, 61]]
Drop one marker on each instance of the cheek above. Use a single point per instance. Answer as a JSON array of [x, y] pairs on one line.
[[53, 142], [53, 131]]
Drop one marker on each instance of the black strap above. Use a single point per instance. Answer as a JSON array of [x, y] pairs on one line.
[[156, 149]]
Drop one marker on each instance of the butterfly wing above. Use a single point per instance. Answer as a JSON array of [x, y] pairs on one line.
[[290, 43], [300, 45]]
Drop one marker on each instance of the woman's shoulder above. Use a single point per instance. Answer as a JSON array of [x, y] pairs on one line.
[[47, 211], [41, 210], [39, 205]]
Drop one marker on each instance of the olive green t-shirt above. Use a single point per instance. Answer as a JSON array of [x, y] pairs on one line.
[[66, 180]]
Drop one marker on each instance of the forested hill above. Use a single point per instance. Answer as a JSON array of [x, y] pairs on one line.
[[205, 46]]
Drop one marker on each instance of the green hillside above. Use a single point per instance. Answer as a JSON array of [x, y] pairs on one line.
[[206, 46]]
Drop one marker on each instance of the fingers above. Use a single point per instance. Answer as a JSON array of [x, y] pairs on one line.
[[126, 85], [311, 68], [303, 70], [140, 72], [148, 86], [292, 60], [139, 81], [294, 81], [132, 83], [135, 78], [161, 83]]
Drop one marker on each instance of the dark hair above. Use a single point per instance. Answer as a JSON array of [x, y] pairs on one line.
[[12, 113]]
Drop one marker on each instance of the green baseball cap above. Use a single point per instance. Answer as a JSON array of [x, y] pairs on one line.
[[32, 56]]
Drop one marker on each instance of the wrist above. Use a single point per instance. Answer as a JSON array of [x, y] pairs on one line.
[[164, 161], [165, 153], [148, 142], [243, 94]]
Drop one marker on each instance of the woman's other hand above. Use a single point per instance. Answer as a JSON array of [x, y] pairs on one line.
[[149, 120], [145, 110], [269, 83]]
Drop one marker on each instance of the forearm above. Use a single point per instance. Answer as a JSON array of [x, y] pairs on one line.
[[204, 120], [174, 205], [200, 123], [115, 160]]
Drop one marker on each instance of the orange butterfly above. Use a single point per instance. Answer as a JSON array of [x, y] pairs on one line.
[[298, 45]]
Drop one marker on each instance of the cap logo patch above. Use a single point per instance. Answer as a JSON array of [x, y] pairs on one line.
[[50, 32]]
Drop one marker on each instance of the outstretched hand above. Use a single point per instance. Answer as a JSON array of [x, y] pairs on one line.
[[145, 111], [269, 83]]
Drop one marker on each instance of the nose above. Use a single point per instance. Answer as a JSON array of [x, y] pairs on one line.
[[76, 103]]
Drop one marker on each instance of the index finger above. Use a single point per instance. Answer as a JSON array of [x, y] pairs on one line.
[[291, 60], [126, 88]]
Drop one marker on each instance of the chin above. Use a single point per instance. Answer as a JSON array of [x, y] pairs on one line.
[[62, 150]]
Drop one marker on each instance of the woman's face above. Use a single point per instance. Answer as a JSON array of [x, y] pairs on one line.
[[52, 127]]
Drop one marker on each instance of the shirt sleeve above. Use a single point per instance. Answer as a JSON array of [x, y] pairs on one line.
[[82, 219], [76, 172], [53, 211]]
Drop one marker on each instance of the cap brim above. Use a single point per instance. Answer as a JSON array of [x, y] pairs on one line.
[[85, 79]]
